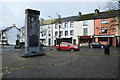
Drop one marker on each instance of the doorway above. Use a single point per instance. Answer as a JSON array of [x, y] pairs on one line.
[[110, 42]]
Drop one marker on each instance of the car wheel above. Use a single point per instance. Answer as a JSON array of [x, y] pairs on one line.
[[101, 46], [71, 50], [91, 46]]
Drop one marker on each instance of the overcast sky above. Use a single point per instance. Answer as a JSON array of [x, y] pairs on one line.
[[13, 12]]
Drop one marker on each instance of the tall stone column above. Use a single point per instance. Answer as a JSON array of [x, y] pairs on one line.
[[32, 37]]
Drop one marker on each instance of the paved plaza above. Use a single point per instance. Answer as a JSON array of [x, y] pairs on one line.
[[86, 63]]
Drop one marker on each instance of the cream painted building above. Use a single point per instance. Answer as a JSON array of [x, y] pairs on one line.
[[74, 29]]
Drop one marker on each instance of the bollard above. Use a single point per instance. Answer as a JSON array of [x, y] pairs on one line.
[[107, 50]]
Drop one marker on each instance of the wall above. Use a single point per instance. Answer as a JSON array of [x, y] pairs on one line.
[[99, 25], [79, 28], [12, 35]]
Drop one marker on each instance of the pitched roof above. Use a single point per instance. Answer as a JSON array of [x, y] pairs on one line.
[[49, 21], [8, 28], [100, 15]]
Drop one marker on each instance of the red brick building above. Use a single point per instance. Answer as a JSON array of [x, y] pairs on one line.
[[102, 32]]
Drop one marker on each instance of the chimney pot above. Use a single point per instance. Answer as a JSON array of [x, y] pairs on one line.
[[79, 13], [96, 11]]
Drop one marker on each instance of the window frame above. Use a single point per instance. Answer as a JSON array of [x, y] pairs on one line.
[[66, 25], [71, 24], [56, 26], [105, 30], [85, 31], [49, 33], [56, 33], [85, 23], [71, 33], [66, 34], [104, 21], [61, 33]]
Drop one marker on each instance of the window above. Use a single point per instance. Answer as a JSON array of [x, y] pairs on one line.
[[103, 39], [66, 33], [85, 31], [104, 30], [45, 32], [60, 25], [56, 26], [48, 33], [61, 33], [56, 33], [104, 21], [66, 25], [71, 24], [85, 23], [48, 26], [72, 32], [42, 35]]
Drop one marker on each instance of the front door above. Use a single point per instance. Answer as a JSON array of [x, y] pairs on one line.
[[110, 41]]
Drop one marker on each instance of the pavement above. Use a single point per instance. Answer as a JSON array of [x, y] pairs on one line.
[[86, 63]]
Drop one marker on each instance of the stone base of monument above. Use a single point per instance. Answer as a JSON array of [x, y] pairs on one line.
[[31, 51]]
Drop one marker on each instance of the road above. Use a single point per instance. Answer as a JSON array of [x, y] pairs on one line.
[[86, 63]]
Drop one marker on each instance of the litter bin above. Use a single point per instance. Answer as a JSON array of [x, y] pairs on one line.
[[107, 50]]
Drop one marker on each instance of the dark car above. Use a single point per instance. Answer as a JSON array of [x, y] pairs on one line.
[[96, 45]]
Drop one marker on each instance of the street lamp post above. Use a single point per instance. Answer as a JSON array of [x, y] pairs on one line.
[[59, 31]]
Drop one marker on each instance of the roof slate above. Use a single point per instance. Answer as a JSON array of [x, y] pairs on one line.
[[100, 15]]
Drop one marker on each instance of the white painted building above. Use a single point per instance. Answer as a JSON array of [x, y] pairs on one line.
[[84, 31], [78, 28], [9, 35], [50, 32], [22, 34]]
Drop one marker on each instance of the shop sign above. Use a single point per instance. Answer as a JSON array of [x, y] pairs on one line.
[[104, 36], [84, 36]]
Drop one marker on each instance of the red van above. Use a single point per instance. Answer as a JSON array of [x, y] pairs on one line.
[[67, 46]]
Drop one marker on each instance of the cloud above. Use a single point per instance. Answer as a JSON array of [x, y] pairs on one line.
[[55, 0], [12, 14]]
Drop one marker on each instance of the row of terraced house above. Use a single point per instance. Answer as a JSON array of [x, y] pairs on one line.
[[80, 30], [100, 27]]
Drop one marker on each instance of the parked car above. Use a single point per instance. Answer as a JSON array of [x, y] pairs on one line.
[[67, 46], [96, 45], [84, 44]]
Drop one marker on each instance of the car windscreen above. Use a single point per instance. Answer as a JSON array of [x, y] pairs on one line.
[[97, 43], [71, 44]]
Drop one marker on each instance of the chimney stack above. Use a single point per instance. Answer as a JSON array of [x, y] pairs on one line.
[[79, 13], [96, 11]]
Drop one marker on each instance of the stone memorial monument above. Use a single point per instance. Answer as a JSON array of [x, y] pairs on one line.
[[32, 34]]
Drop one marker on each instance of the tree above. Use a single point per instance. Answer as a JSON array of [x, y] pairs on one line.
[[114, 5], [115, 22]]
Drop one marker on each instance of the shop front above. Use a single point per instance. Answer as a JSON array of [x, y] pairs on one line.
[[106, 39], [84, 40], [57, 41]]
